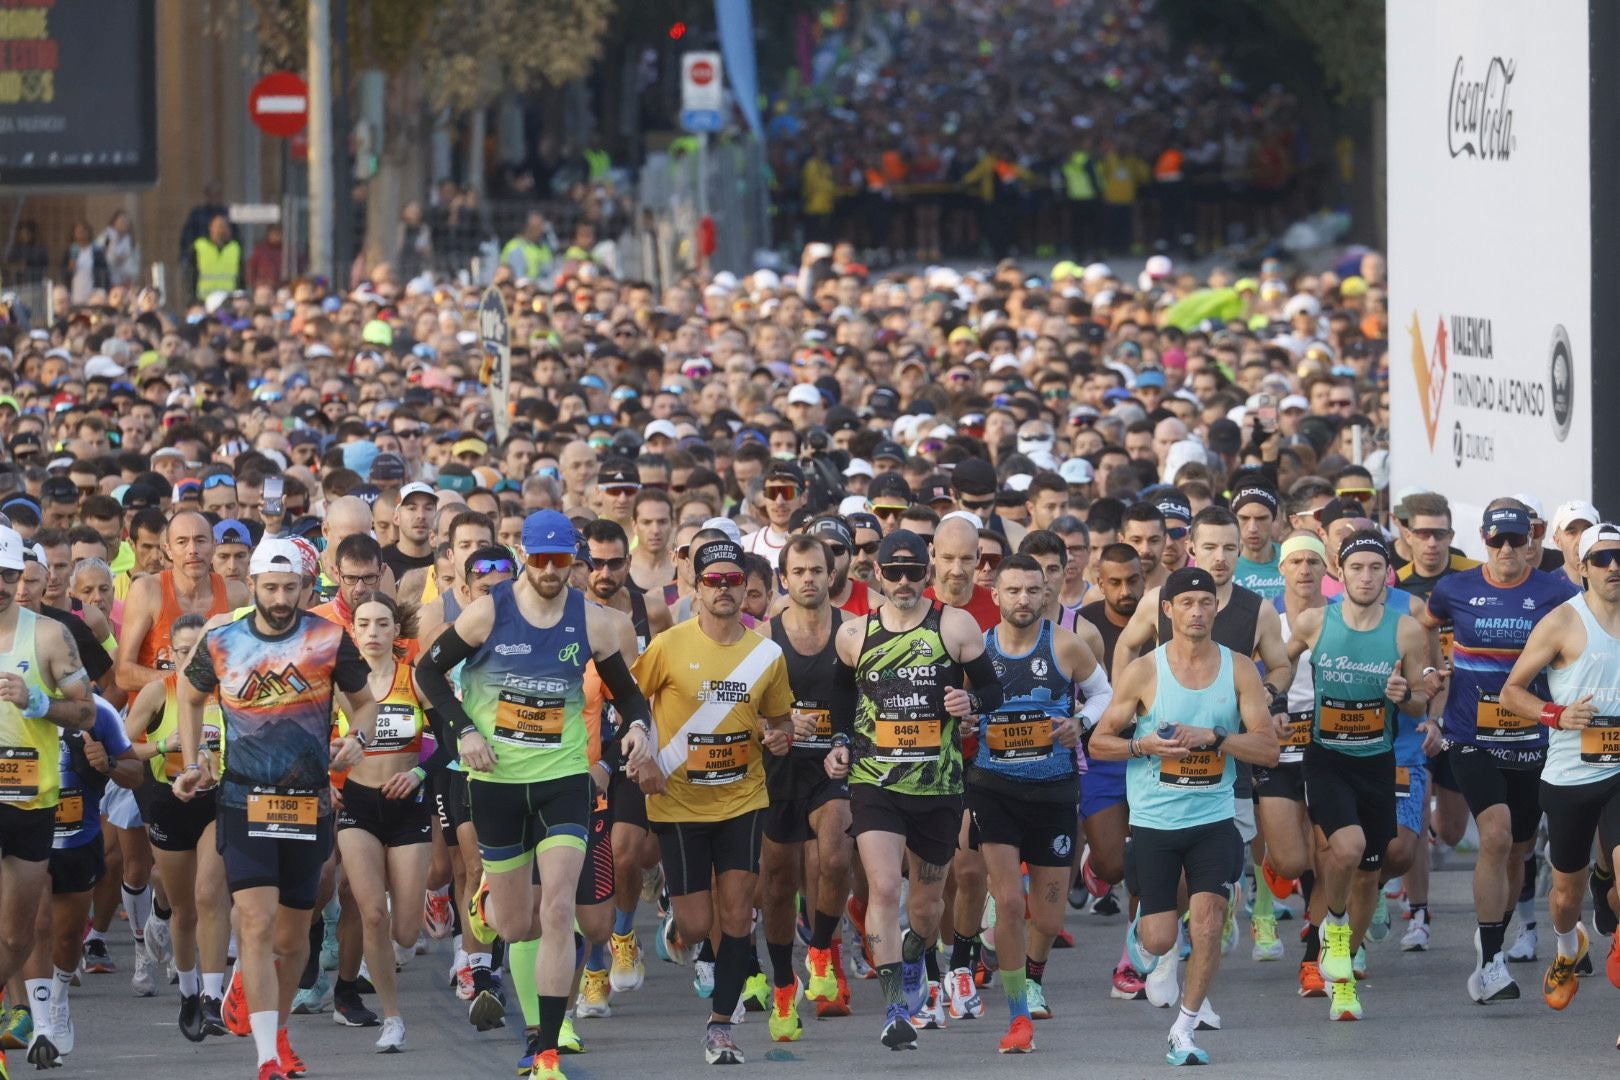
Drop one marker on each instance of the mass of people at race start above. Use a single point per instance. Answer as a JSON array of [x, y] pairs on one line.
[[873, 617]]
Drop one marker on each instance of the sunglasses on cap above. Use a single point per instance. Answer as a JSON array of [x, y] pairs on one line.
[[787, 492], [1512, 540], [557, 560], [493, 566], [908, 571], [722, 579], [612, 566], [219, 480]]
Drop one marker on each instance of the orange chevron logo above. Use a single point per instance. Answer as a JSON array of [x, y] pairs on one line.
[[1429, 367]]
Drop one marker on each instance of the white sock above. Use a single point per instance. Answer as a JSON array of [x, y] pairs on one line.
[[189, 983], [39, 1002], [1336, 920], [1569, 944], [264, 1034], [1187, 1022], [138, 905], [213, 984], [478, 960], [61, 984], [455, 943]]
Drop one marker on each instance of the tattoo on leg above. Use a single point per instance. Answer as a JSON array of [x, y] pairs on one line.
[[929, 874], [874, 939]]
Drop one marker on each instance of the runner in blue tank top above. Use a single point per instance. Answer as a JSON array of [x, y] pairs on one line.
[[1023, 786], [1192, 707], [1577, 648], [1365, 658], [1495, 755]]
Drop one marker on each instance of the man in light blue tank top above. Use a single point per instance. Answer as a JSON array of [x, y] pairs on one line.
[[1578, 648], [1192, 707]]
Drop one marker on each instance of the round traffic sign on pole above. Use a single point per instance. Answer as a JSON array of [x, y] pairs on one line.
[[279, 104], [702, 73]]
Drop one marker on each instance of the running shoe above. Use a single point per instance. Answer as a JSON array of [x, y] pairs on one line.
[[839, 1005], [913, 985], [159, 943], [1078, 897], [546, 1067], [1559, 984], [1063, 940], [488, 1008], [191, 1017], [823, 982], [718, 1047], [1490, 981], [1281, 888], [213, 1019], [1106, 905], [235, 1010], [531, 1050], [1358, 963], [1208, 1018], [310, 1001], [1395, 888], [670, 948], [652, 883], [594, 991], [627, 971], [784, 1024], [466, 987], [392, 1039], [1127, 984], [438, 917], [962, 996], [1229, 928], [1267, 946], [931, 1017], [898, 1034], [703, 978], [568, 1040], [801, 924], [1095, 885], [1140, 959], [756, 994], [1523, 949], [1162, 983], [1603, 916], [1345, 1004], [143, 982], [1035, 997], [1336, 962], [1378, 929], [268, 1070], [291, 1063], [1020, 1037], [1183, 1051], [1311, 983], [17, 1029], [97, 960], [476, 924], [1416, 938], [1612, 966], [349, 1011], [43, 1049]]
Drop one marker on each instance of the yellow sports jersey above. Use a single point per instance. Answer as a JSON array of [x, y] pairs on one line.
[[708, 700], [30, 751]]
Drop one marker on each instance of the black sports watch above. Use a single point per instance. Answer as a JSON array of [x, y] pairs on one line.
[[1220, 737]]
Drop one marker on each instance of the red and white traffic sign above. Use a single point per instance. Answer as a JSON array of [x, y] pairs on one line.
[[279, 104], [700, 82], [702, 72]]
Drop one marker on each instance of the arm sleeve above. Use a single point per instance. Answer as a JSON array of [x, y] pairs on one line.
[[350, 671], [845, 698], [627, 696], [981, 675], [1098, 694], [443, 744], [200, 671], [432, 676]]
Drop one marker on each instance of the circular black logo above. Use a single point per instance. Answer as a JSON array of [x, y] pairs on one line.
[[1561, 383], [1456, 444]]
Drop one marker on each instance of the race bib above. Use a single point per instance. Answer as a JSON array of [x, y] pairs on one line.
[[528, 720], [1199, 769], [906, 741], [395, 730], [1403, 782], [275, 813], [19, 773], [69, 813], [1600, 741], [1020, 736], [1291, 750], [1494, 723], [716, 758], [1351, 723], [822, 739]]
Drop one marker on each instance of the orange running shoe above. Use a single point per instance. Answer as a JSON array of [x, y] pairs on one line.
[[1559, 984], [271, 1070], [291, 1063], [823, 984], [1282, 888], [1311, 983], [1613, 965], [1020, 1037], [838, 1006], [235, 1011]]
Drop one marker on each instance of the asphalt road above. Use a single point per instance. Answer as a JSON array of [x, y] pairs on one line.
[[1419, 1022]]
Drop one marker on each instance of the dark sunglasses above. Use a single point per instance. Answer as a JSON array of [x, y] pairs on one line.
[[1427, 535], [1512, 540], [887, 512], [979, 506], [493, 566], [1604, 559], [1177, 533], [616, 491], [904, 571], [729, 579], [683, 551], [559, 560], [787, 492], [612, 566], [868, 548], [989, 560], [838, 550], [1361, 495]]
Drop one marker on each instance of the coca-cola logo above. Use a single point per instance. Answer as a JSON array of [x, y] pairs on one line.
[[1479, 117]]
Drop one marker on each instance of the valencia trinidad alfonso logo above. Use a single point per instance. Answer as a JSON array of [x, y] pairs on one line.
[[1429, 366]]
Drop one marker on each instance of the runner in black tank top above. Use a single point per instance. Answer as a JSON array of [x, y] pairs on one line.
[[638, 617]]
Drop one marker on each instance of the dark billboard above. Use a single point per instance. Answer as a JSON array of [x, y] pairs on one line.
[[78, 93]]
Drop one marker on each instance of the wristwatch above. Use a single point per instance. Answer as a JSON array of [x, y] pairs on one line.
[[1220, 737], [359, 737]]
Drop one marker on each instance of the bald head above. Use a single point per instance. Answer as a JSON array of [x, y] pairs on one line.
[[345, 517], [956, 537]]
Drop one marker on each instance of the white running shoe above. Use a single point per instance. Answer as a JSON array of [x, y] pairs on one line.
[[1416, 938], [1490, 980], [1163, 984], [392, 1039], [1523, 949]]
